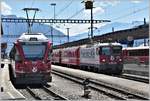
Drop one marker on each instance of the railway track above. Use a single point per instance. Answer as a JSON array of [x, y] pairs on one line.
[[103, 88], [132, 77], [135, 78], [33, 93], [44, 93]]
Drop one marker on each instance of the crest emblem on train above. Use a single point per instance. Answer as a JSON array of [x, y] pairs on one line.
[[34, 69], [112, 58]]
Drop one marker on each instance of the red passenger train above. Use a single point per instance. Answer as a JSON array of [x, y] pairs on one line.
[[138, 55], [104, 57], [31, 59]]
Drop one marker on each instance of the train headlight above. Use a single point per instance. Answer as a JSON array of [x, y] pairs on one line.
[[103, 60], [25, 63]]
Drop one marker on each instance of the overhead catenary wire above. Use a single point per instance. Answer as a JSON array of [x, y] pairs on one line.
[[129, 14], [64, 8], [78, 12], [33, 1], [75, 14]]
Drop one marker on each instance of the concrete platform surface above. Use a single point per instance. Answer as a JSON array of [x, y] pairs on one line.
[[8, 92], [132, 86], [142, 70]]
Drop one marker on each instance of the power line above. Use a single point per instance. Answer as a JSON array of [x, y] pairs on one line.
[[76, 13], [133, 12], [63, 9], [32, 3]]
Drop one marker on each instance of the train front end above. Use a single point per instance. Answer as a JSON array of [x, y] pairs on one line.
[[31, 57], [111, 58]]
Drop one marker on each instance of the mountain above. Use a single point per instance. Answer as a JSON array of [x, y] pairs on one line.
[[19, 28], [8, 16]]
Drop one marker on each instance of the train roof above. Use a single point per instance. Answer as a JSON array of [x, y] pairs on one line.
[[107, 44], [136, 48], [71, 48], [26, 37]]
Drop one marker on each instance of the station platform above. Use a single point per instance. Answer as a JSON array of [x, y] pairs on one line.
[[135, 69], [7, 90], [132, 86]]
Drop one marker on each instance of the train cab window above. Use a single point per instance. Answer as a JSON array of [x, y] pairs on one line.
[[116, 50], [34, 51], [105, 51]]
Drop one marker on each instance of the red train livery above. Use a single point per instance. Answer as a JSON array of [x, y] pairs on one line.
[[70, 56], [138, 55], [104, 57], [31, 59]]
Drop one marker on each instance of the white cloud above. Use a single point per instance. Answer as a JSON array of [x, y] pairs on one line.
[[5, 8], [136, 1], [99, 10], [77, 29], [105, 3]]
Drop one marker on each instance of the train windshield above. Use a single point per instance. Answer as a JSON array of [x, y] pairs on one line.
[[105, 51], [116, 50], [34, 51]]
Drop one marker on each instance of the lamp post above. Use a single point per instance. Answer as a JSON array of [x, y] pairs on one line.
[[89, 5], [68, 34], [53, 4]]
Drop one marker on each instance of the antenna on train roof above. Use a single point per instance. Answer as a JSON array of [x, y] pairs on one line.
[[30, 22]]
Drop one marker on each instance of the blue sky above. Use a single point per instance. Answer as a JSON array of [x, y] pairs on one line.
[[115, 10]]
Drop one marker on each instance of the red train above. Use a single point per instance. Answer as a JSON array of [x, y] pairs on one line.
[[31, 59], [104, 57], [138, 55]]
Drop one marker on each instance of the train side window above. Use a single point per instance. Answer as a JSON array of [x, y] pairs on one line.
[[50, 54], [12, 53], [138, 52], [146, 52], [18, 58]]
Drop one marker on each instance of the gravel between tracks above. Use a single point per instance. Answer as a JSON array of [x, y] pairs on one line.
[[73, 91], [26, 94]]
